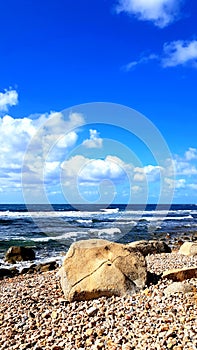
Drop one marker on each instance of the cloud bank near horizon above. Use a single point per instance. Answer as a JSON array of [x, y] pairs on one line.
[[50, 141]]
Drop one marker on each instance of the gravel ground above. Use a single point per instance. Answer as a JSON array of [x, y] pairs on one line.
[[34, 315]]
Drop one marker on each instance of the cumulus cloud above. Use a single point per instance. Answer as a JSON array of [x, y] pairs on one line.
[[8, 98], [175, 183], [150, 173], [179, 52], [45, 139], [191, 153], [159, 12], [94, 141], [92, 171], [186, 165]]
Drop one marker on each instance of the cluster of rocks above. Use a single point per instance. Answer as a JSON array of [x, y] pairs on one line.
[[18, 254], [34, 313], [96, 268]]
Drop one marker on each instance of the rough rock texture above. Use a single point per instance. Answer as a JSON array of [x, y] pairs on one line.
[[96, 268], [34, 315], [150, 247], [16, 253], [188, 248], [180, 274], [179, 287]]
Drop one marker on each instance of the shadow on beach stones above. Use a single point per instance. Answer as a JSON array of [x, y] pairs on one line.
[[152, 278]]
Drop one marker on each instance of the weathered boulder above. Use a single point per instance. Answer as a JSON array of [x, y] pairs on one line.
[[17, 253], [150, 247], [188, 248], [179, 275], [179, 287], [96, 268]]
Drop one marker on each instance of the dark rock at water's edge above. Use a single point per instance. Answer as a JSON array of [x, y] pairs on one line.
[[8, 272], [18, 253], [40, 268], [49, 266]]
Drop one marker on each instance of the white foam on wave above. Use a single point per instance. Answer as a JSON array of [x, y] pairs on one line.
[[110, 211], [66, 235], [164, 218], [51, 214], [82, 221], [105, 231]]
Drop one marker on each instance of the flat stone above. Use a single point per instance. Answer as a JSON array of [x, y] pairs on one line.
[[179, 275]]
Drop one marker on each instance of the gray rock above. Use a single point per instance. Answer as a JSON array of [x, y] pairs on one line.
[[150, 247], [179, 287]]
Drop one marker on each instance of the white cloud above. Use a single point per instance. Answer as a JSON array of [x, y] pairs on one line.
[[92, 171], [191, 153], [49, 145], [160, 12], [8, 98], [193, 186], [143, 60], [186, 165], [175, 53], [175, 183], [149, 172], [94, 141], [185, 168], [179, 52], [136, 189], [68, 140]]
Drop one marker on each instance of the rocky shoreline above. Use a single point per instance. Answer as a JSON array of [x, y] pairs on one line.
[[34, 314]]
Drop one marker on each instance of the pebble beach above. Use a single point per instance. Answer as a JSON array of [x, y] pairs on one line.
[[34, 314]]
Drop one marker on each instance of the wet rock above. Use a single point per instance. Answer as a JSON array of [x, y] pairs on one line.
[[50, 266], [150, 247], [17, 253], [30, 269], [5, 273], [96, 268], [8, 272]]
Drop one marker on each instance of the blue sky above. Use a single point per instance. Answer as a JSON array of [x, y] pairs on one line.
[[55, 55]]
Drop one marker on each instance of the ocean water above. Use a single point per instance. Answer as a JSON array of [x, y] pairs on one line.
[[50, 230]]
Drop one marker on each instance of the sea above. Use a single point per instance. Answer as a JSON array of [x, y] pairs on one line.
[[51, 229]]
